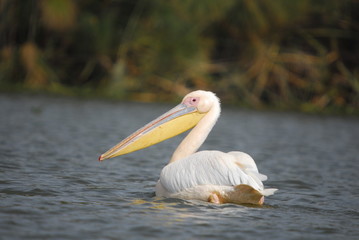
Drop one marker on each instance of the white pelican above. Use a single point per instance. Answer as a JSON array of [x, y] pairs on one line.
[[211, 176]]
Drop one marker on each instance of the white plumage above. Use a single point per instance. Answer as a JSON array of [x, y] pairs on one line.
[[200, 174]]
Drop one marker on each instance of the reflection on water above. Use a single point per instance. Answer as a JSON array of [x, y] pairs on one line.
[[52, 186], [170, 212]]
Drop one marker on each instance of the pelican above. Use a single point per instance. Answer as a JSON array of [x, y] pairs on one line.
[[211, 176]]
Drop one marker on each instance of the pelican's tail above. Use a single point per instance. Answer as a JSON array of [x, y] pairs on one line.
[[246, 194], [268, 191]]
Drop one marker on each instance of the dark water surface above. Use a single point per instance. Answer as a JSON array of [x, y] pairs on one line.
[[53, 187]]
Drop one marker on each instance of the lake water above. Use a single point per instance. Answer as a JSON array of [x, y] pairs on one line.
[[53, 187]]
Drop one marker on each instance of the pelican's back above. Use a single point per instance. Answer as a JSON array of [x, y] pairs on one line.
[[211, 168]]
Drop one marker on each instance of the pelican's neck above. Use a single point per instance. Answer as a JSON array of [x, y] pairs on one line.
[[191, 143]]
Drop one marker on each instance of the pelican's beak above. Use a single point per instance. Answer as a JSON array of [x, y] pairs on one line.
[[178, 120]]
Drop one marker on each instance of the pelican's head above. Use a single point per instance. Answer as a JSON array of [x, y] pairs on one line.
[[202, 100], [179, 119]]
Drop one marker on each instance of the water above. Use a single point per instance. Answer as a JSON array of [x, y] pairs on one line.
[[53, 187]]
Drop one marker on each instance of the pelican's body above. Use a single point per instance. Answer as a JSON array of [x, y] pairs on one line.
[[211, 176]]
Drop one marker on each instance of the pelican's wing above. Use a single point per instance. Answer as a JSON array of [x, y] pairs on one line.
[[248, 165], [208, 168]]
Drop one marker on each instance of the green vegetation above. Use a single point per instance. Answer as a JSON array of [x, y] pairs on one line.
[[299, 54]]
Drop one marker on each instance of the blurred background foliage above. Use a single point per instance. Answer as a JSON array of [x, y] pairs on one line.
[[298, 54]]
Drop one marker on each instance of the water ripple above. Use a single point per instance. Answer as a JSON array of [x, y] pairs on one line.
[[53, 187]]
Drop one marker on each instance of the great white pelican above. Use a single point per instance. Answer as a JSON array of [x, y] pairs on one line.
[[211, 176]]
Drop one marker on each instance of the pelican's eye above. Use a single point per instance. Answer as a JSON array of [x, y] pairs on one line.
[[193, 101]]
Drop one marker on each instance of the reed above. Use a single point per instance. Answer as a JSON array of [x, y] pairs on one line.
[[299, 55]]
